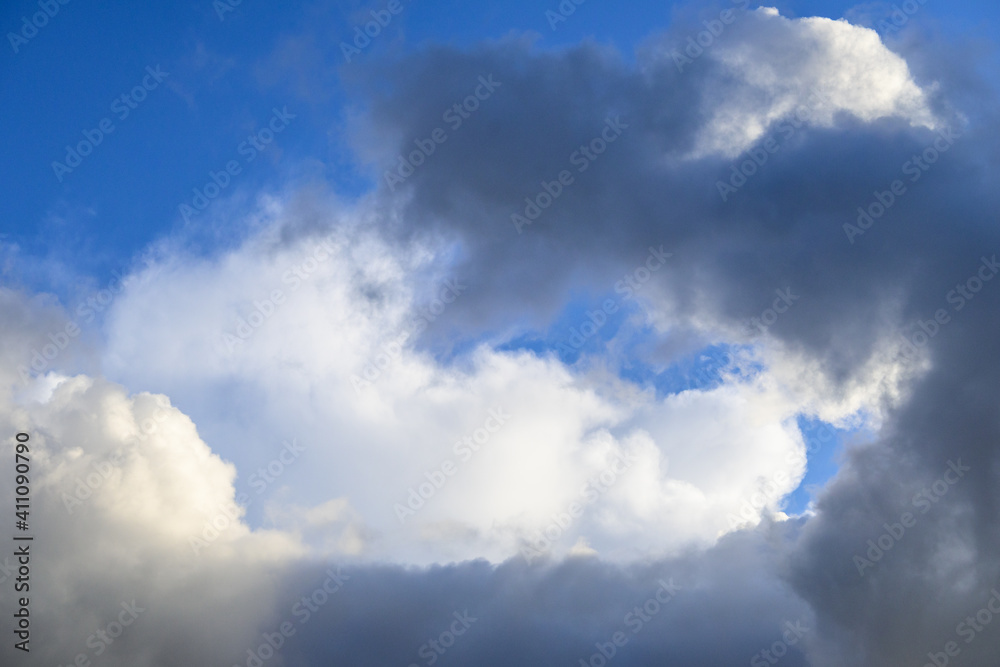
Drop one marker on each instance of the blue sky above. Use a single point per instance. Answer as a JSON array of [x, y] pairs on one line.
[[125, 195]]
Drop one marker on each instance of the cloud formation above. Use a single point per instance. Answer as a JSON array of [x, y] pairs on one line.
[[386, 336]]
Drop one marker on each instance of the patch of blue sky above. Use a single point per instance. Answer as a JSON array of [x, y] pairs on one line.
[[824, 446]]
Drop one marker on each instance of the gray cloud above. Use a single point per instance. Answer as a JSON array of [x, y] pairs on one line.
[[785, 227]]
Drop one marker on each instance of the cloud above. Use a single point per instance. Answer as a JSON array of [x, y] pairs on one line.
[[122, 487], [298, 333], [478, 455], [823, 67], [127, 486]]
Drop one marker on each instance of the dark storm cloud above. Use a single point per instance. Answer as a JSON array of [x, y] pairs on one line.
[[553, 614], [785, 227]]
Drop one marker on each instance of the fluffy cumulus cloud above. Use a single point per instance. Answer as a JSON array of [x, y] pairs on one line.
[[147, 514], [335, 426], [479, 455]]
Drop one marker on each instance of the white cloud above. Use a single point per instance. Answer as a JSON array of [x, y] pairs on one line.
[[700, 455], [806, 69], [120, 486]]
